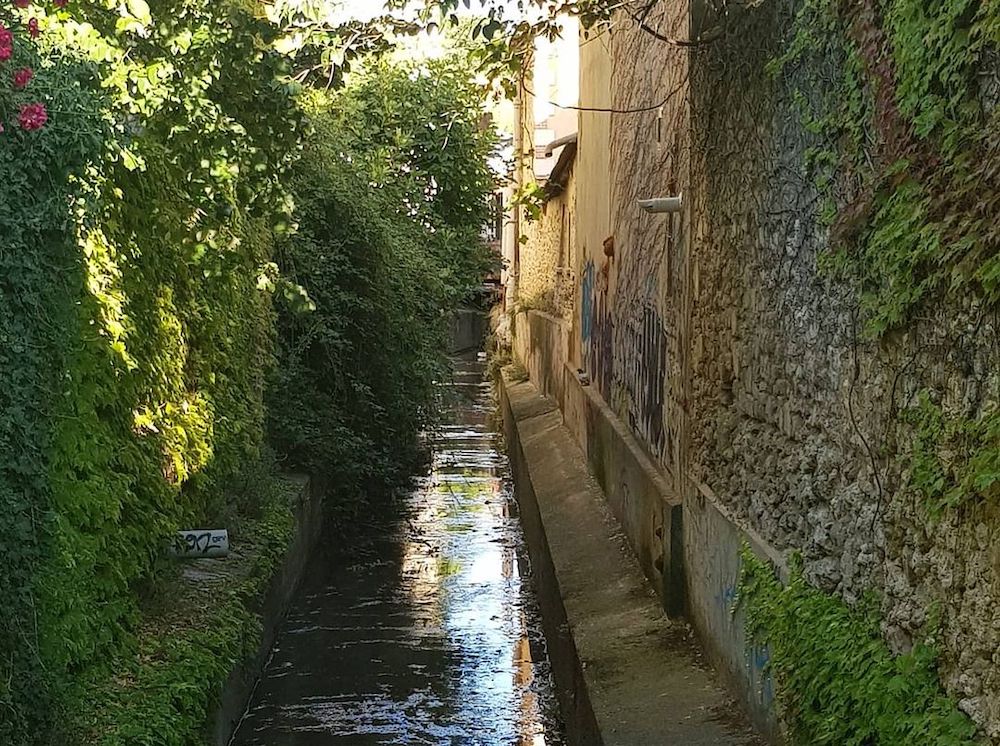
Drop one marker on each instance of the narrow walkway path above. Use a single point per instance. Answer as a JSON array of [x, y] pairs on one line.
[[423, 630], [647, 682]]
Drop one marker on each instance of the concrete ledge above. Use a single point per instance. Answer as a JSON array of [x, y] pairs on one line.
[[273, 606], [638, 492], [625, 673], [687, 543]]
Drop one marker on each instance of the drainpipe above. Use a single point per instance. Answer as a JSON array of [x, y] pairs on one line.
[[550, 149], [515, 269]]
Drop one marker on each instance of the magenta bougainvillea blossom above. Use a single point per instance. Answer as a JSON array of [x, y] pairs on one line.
[[22, 77], [32, 117], [6, 43]]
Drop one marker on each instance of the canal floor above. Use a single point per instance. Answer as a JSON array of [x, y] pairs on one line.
[[423, 629]]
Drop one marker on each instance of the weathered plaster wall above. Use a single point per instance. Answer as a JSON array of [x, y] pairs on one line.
[[548, 277], [634, 353], [593, 169]]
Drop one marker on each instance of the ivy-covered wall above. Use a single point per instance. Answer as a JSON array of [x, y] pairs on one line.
[[41, 276], [845, 338], [132, 381], [167, 343]]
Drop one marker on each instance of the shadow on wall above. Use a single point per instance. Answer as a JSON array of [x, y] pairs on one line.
[[468, 330]]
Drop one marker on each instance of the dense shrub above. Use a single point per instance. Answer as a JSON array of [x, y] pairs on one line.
[[41, 275], [134, 339], [391, 193], [137, 333], [837, 681]]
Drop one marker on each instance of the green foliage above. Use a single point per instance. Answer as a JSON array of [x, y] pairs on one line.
[[161, 406], [935, 49], [39, 272], [836, 680], [953, 460], [905, 125], [199, 85], [391, 193], [133, 231], [157, 692], [530, 198], [137, 232], [900, 254]]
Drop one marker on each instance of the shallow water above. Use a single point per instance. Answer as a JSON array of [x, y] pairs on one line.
[[423, 629]]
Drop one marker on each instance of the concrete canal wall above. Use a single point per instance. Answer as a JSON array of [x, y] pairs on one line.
[[626, 673], [273, 605], [690, 553]]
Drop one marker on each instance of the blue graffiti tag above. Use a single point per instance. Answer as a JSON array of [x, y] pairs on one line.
[[587, 300]]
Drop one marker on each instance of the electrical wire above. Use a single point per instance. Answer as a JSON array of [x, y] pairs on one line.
[[612, 110]]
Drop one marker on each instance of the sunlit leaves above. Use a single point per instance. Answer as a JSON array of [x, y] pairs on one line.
[[391, 194]]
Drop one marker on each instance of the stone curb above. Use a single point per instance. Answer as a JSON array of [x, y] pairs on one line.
[[233, 700]]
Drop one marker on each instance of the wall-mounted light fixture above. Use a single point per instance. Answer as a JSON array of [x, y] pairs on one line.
[[662, 204]]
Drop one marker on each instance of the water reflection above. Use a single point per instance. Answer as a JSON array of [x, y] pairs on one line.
[[424, 630]]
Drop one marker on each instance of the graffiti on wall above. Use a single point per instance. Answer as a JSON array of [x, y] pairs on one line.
[[626, 360], [587, 304], [759, 659], [643, 349], [198, 543], [597, 328]]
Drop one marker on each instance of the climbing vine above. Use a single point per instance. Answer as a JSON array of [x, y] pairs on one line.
[[953, 459], [39, 271], [837, 681], [909, 159], [909, 162], [189, 641], [391, 193], [141, 155]]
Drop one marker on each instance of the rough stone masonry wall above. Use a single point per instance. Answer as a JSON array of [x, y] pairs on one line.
[[548, 280], [742, 366], [794, 415]]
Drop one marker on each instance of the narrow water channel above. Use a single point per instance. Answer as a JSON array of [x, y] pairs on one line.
[[423, 630]]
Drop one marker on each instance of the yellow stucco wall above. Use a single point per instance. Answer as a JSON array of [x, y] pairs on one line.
[[593, 174]]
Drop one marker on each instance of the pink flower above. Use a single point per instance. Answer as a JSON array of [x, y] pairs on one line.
[[6, 43], [33, 28], [22, 3], [32, 117], [22, 77]]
